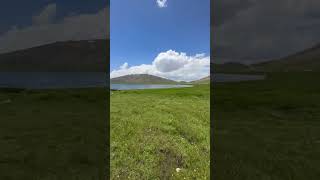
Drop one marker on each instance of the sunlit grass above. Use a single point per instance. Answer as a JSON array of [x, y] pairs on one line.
[[160, 133]]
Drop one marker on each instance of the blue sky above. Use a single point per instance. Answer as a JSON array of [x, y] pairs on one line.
[[171, 41], [140, 30]]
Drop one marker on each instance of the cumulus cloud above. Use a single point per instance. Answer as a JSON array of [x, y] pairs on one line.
[[170, 61], [124, 66], [46, 16], [255, 31], [172, 65], [162, 3], [43, 31]]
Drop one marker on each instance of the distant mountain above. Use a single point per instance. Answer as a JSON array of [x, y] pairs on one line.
[[205, 80], [141, 79], [307, 60], [69, 56], [230, 67]]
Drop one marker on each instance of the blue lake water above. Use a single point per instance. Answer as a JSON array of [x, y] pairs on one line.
[[216, 78], [48, 80]]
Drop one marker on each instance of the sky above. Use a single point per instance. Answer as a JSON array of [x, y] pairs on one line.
[[25, 24], [166, 38], [252, 31]]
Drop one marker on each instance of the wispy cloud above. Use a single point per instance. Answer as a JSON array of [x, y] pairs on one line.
[[171, 65], [162, 3]]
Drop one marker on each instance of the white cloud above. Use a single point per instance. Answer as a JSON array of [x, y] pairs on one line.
[[46, 15], [269, 29], [162, 3], [124, 66], [43, 31], [172, 65], [170, 61]]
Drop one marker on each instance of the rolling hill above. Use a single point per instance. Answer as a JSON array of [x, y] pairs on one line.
[[69, 56], [230, 67], [205, 80], [307, 60], [141, 79]]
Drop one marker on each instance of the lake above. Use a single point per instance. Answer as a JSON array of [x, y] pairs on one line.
[[56, 80], [145, 86], [52, 80], [217, 78]]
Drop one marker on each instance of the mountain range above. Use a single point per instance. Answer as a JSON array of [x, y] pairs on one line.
[[306, 60], [205, 80], [141, 79], [69, 56], [93, 56]]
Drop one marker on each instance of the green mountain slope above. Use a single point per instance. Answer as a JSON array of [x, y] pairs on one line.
[[307, 60], [205, 80], [69, 56], [230, 67]]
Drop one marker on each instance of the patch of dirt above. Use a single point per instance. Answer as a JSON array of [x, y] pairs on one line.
[[169, 161]]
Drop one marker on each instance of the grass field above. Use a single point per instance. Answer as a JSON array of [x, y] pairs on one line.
[[153, 132], [268, 129], [53, 134]]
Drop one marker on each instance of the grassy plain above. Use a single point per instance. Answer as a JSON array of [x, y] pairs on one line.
[[53, 134], [153, 132], [262, 130], [268, 129]]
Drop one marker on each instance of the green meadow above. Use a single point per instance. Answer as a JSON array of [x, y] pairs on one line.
[[53, 134], [156, 131], [265, 129], [268, 129]]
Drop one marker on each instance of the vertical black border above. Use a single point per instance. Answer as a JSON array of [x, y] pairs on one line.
[[108, 116], [108, 103], [108, 61], [211, 93]]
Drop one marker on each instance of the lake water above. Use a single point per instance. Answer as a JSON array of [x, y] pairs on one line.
[[48, 80], [145, 86], [217, 78]]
